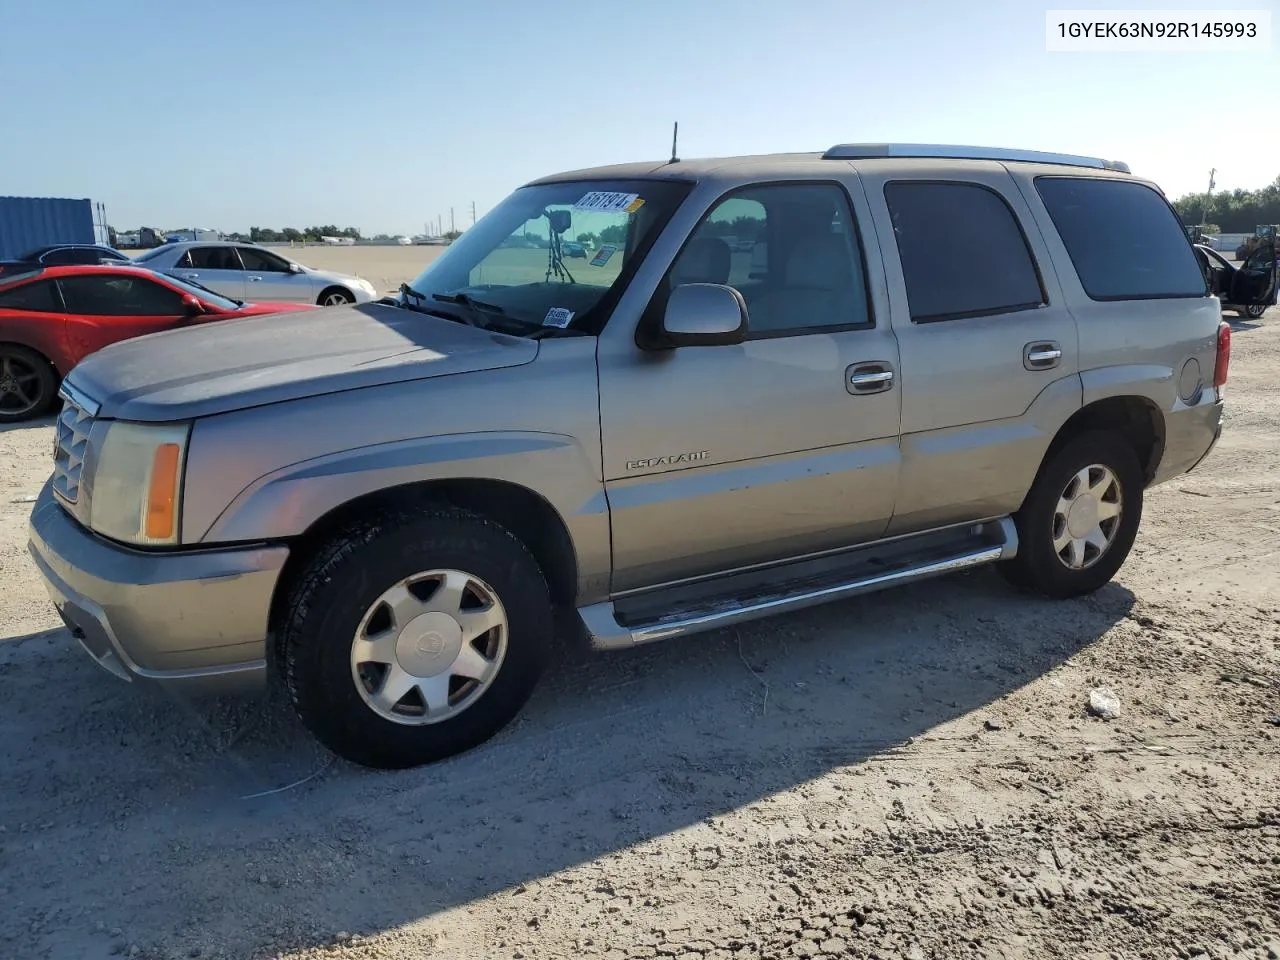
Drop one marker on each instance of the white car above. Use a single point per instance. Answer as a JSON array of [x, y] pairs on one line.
[[246, 271]]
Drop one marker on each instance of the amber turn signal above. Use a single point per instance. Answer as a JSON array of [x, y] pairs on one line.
[[162, 493]]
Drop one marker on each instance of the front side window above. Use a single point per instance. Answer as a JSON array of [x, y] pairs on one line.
[[789, 249], [1123, 238], [521, 262], [119, 296], [963, 253]]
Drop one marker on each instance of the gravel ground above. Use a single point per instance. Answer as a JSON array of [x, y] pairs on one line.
[[914, 775]]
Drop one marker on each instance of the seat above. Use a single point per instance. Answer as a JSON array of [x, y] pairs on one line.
[[820, 289], [704, 260]]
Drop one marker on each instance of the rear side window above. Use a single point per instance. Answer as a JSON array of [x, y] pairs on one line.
[[963, 253], [38, 297], [1123, 238]]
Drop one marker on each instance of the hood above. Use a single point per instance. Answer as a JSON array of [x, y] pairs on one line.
[[244, 362]]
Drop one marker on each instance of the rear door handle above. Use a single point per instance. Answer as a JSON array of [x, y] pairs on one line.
[[190, 276], [867, 378], [1042, 355], [251, 279]]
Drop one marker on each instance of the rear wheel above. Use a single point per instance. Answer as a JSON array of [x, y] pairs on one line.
[[1078, 522], [411, 638], [1254, 311], [28, 385]]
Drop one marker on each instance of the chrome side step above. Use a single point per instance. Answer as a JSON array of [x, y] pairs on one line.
[[614, 625]]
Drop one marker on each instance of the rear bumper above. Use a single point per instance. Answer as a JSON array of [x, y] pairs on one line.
[[196, 618], [1190, 436]]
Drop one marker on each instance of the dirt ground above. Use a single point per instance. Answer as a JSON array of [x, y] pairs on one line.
[[911, 775]]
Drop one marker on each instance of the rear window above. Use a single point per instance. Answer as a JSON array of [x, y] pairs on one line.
[[963, 253], [1123, 238], [39, 297]]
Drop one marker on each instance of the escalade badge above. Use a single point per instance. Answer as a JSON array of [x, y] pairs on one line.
[[668, 461]]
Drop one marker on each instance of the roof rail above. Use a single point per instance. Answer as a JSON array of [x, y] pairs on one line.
[[865, 151]]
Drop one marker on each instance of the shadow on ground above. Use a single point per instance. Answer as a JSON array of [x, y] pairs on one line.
[[178, 828]]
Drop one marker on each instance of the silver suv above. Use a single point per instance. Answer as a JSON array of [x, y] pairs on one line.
[[908, 361]]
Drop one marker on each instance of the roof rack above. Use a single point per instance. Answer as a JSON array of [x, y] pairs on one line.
[[865, 151]]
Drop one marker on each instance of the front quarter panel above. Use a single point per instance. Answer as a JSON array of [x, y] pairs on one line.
[[269, 473]]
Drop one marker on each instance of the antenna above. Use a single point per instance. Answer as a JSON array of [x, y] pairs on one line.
[[675, 133]]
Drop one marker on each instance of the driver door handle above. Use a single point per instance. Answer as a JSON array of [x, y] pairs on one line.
[[251, 279]]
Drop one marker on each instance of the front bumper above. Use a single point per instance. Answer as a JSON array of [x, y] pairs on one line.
[[198, 618]]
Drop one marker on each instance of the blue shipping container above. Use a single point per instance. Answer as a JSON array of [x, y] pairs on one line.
[[29, 222]]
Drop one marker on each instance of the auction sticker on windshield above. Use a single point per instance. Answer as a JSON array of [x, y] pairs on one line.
[[558, 317], [600, 201], [602, 256]]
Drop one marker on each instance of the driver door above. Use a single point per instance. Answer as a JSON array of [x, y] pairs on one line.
[[269, 278]]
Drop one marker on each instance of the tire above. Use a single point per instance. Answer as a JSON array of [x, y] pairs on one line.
[[335, 297], [1254, 311], [338, 597], [1038, 567], [28, 384]]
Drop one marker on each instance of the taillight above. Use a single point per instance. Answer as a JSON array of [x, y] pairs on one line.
[[1223, 359]]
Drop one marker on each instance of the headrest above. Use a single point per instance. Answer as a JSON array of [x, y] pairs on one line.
[[704, 260]]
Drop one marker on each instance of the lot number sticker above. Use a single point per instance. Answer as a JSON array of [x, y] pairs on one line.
[[558, 317], [599, 201], [602, 256]]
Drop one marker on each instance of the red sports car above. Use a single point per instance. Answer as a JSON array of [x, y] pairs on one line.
[[53, 317]]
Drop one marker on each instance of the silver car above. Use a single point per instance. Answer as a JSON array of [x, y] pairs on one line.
[[246, 271]]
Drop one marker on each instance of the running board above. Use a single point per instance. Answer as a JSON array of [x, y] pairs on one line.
[[696, 607]]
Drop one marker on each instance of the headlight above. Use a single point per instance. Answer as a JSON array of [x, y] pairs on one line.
[[137, 483], [369, 287]]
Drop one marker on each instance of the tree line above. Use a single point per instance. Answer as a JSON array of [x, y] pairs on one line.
[[1237, 211]]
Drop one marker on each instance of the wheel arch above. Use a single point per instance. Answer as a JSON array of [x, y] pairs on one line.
[[334, 288], [1136, 418], [525, 513]]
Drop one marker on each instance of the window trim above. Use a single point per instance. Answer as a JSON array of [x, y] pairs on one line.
[[1022, 233], [1122, 297], [267, 255], [648, 330]]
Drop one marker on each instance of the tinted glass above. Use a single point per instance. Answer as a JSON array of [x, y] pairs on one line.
[[262, 261], [963, 253], [70, 256], [149, 255], [1123, 238], [119, 296], [213, 258], [39, 296], [788, 250]]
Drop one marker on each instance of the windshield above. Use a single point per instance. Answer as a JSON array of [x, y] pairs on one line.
[[555, 254], [204, 293]]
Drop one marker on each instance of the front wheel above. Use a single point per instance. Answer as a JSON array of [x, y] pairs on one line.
[[28, 385], [335, 296], [1254, 311], [412, 638], [1078, 522]]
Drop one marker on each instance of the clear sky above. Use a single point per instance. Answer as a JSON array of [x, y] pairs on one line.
[[383, 114]]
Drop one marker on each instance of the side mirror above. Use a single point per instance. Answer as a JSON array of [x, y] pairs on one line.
[[295, 268], [704, 314], [191, 306]]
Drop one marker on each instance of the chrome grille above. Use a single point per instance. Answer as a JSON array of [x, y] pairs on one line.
[[70, 443]]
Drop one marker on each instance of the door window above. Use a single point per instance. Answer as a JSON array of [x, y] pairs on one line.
[[260, 261], [211, 258], [963, 253], [790, 250], [119, 296]]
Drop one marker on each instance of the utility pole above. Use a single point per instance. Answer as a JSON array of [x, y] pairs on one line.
[[1208, 197], [452, 226], [473, 213]]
